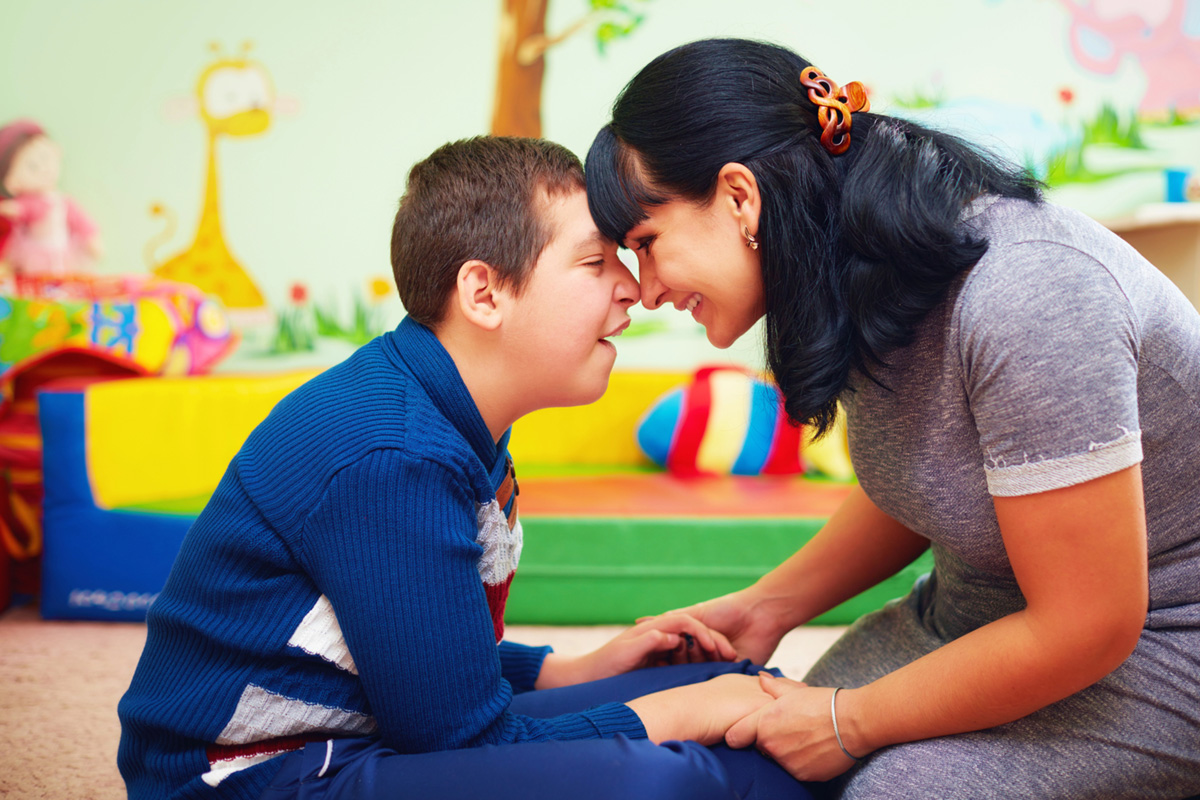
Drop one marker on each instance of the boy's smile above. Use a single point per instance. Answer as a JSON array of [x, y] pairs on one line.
[[619, 330]]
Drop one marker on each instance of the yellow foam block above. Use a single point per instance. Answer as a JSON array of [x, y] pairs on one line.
[[830, 454], [155, 439], [603, 433]]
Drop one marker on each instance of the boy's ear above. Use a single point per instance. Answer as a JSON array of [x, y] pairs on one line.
[[738, 188], [478, 294]]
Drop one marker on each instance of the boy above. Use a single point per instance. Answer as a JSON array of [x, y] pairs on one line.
[[337, 609]]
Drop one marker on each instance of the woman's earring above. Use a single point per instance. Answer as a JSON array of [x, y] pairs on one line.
[[751, 242]]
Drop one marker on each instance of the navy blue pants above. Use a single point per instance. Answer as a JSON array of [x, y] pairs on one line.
[[596, 769]]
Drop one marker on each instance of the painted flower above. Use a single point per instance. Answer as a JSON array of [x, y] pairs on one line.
[[299, 294], [1066, 95], [380, 289]]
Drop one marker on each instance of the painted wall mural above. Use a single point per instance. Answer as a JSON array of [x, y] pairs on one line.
[[1162, 36], [234, 97], [1086, 153], [290, 228], [524, 43]]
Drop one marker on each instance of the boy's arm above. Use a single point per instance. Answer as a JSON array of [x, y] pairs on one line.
[[521, 664], [392, 547]]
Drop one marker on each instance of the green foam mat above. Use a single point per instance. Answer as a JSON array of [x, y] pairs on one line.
[[179, 507], [577, 571]]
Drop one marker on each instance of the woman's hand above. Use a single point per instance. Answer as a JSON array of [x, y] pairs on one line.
[[655, 641], [752, 630], [797, 730], [856, 549], [701, 712]]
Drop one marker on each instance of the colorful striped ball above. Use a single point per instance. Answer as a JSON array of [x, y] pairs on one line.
[[728, 421], [725, 421]]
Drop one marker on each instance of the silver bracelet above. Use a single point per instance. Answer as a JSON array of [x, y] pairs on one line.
[[836, 732]]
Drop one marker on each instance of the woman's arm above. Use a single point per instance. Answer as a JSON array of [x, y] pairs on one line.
[[1079, 556], [857, 548]]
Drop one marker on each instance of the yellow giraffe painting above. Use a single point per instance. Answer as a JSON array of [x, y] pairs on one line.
[[235, 99]]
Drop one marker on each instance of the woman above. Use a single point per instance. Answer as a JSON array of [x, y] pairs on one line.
[[1021, 392]]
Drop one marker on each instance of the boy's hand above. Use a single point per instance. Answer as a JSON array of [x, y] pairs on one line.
[[702, 712], [752, 630], [669, 639]]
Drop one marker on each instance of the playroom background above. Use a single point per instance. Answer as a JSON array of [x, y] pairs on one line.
[[233, 169]]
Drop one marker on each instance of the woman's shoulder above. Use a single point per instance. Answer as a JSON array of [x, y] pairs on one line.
[[1039, 252], [1008, 222], [1049, 274]]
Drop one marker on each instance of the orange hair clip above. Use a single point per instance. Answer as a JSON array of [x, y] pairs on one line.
[[834, 106]]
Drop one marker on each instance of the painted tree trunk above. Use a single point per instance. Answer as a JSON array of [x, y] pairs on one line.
[[518, 102]]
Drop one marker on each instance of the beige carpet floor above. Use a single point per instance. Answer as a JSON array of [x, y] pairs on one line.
[[60, 683]]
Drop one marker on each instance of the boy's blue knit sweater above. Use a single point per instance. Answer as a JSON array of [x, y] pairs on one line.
[[332, 587]]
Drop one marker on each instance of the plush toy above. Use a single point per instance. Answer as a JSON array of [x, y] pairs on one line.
[[728, 421], [42, 232]]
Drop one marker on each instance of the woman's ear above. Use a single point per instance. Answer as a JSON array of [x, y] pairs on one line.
[[737, 190], [478, 295]]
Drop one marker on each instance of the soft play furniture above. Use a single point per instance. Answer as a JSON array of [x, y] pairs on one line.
[[608, 535], [80, 326], [21, 455], [127, 466]]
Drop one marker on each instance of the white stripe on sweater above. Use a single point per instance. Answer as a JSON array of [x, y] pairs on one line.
[[501, 545], [262, 715], [320, 635]]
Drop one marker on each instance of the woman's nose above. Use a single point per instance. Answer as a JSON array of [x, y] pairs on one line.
[[654, 293]]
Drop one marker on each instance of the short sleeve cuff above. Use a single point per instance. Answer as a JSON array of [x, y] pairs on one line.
[[1043, 476], [521, 664]]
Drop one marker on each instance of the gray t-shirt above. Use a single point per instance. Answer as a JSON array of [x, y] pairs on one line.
[[1062, 356]]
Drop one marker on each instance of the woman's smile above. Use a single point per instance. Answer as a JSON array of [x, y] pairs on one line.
[[694, 257]]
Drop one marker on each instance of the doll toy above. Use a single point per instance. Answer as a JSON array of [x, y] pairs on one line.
[[42, 231]]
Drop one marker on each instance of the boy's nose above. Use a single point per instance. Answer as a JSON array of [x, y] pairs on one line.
[[628, 291]]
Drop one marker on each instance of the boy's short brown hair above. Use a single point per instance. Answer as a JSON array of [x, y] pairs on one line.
[[480, 198]]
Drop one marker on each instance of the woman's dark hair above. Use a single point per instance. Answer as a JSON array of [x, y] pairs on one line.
[[856, 249]]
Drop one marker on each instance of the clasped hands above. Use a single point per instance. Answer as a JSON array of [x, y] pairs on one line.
[[795, 728], [784, 719]]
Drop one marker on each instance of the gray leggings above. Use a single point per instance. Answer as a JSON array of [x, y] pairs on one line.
[[1135, 734]]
